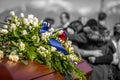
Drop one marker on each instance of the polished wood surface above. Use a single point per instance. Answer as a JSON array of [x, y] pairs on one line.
[[32, 71]]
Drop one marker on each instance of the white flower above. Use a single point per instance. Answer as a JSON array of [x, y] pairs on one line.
[[13, 58], [13, 27], [42, 48], [26, 21], [71, 49], [61, 54], [35, 19], [1, 54], [53, 49], [75, 62], [5, 27], [72, 57], [12, 13], [34, 37], [22, 15], [35, 24], [51, 29], [45, 36], [30, 16], [21, 46], [30, 21], [17, 23], [69, 42], [60, 32], [42, 53], [3, 31], [46, 51], [24, 32]]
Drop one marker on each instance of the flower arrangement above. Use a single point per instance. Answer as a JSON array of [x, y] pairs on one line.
[[23, 39]]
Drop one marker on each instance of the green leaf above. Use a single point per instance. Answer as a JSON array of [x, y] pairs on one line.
[[31, 54], [24, 62]]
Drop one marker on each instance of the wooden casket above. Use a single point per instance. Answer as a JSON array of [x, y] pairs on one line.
[[33, 71]]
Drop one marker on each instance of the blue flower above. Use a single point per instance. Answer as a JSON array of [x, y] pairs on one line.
[[44, 27]]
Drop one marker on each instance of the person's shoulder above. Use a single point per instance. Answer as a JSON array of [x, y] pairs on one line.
[[82, 34]]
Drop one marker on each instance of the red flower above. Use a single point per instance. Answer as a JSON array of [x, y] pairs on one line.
[[63, 36]]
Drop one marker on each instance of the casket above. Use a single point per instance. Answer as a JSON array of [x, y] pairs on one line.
[[33, 71]]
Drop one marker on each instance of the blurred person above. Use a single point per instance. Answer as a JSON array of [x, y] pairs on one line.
[[50, 21], [116, 42], [65, 20], [101, 63], [102, 18], [83, 19], [76, 27]]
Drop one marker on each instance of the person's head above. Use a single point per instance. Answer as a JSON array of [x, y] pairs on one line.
[[116, 29], [102, 16], [93, 24], [83, 19], [76, 26], [64, 17], [50, 21]]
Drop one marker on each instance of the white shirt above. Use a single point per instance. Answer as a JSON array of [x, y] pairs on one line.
[[116, 55]]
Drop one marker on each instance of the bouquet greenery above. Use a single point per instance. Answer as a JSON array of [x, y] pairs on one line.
[[21, 40]]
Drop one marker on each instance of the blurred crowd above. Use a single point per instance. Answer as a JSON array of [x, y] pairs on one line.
[[97, 45]]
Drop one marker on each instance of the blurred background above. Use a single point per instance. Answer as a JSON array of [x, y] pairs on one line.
[[53, 8]]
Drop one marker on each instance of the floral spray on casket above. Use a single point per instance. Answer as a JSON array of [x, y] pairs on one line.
[[23, 39]]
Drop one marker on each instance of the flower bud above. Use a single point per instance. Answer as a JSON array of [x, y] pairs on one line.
[[12, 13], [24, 32], [31, 16], [3, 31], [5, 27], [13, 27], [22, 15], [53, 49]]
